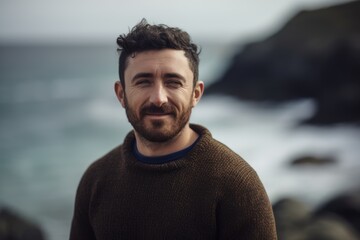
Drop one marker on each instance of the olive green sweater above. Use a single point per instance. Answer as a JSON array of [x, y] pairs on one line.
[[211, 193]]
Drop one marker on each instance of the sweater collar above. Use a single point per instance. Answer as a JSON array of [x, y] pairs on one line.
[[200, 145]]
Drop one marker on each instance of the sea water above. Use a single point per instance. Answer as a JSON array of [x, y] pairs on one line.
[[58, 113]]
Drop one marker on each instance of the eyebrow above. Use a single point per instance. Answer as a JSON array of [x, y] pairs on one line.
[[174, 75], [150, 75], [142, 75]]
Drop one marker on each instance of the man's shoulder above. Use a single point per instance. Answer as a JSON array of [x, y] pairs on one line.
[[226, 159], [217, 156], [217, 151], [226, 169], [104, 164], [223, 150]]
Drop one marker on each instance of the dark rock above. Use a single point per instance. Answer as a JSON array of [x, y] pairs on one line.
[[347, 206], [15, 227], [295, 221], [315, 55], [329, 228], [291, 212], [291, 217], [312, 160]]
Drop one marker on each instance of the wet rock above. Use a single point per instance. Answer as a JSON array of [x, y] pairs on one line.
[[313, 160], [15, 227], [291, 212], [291, 218], [296, 221], [346, 206], [329, 228]]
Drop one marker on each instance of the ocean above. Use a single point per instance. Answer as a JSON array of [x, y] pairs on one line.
[[59, 113]]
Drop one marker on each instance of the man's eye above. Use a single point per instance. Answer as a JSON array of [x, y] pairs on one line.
[[174, 83], [143, 82]]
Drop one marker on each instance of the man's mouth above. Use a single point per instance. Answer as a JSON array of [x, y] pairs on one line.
[[157, 115], [153, 111]]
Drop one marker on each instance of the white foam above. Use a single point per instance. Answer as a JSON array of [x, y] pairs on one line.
[[269, 138]]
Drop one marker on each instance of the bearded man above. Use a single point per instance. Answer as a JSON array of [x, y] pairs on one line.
[[169, 179]]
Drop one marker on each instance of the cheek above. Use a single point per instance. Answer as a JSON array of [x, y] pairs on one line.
[[184, 102], [135, 102]]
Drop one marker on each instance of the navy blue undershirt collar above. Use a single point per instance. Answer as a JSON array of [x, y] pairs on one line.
[[162, 159]]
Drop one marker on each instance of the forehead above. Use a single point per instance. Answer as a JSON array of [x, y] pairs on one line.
[[165, 60]]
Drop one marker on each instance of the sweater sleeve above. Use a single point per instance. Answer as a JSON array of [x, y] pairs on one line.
[[245, 212], [81, 227]]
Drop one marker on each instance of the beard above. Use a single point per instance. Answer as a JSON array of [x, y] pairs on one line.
[[158, 130]]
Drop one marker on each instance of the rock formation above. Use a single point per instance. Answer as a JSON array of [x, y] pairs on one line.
[[335, 220], [15, 227], [315, 55]]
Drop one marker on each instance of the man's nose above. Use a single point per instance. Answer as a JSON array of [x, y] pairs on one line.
[[158, 95]]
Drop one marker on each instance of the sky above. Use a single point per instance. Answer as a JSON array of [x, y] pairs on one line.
[[44, 21]]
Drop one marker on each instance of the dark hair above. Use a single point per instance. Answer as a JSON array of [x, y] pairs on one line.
[[144, 37]]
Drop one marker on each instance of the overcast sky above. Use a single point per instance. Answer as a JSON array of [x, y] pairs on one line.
[[77, 20]]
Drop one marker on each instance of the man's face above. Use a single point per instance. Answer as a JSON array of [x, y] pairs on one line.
[[159, 93]]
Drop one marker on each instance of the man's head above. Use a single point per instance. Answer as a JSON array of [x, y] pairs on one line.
[[145, 37], [158, 86]]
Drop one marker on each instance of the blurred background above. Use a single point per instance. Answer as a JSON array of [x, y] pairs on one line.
[[282, 90]]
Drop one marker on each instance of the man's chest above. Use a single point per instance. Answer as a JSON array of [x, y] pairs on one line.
[[141, 208]]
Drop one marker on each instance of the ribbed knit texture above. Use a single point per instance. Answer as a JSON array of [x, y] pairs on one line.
[[211, 193]]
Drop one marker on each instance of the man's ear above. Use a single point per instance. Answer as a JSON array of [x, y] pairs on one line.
[[120, 93], [198, 92]]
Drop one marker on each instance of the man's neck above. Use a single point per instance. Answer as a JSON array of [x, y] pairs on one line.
[[152, 149]]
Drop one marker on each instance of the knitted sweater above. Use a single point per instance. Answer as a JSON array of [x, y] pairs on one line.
[[211, 193]]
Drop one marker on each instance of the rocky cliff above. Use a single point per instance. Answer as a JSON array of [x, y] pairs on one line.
[[315, 55]]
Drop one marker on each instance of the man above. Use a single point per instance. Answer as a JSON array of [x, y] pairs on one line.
[[169, 179]]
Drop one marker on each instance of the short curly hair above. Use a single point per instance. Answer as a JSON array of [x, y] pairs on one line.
[[144, 36]]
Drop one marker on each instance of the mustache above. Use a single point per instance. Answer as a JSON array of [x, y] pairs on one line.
[[163, 109]]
